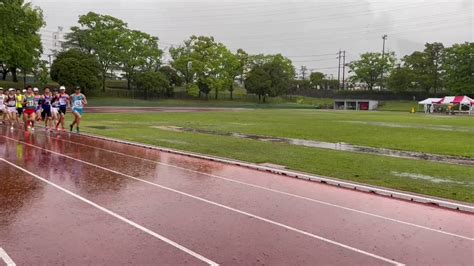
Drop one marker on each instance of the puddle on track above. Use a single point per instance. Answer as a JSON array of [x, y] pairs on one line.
[[332, 146]]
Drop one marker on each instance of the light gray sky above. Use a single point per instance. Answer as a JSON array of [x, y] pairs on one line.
[[310, 32]]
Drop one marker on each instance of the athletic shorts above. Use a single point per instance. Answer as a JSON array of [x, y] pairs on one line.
[[29, 112], [78, 110], [3, 109], [54, 111], [12, 110], [46, 113], [62, 109], [19, 110], [38, 109]]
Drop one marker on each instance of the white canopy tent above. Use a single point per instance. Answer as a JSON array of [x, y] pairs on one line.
[[466, 104], [428, 104], [430, 101]]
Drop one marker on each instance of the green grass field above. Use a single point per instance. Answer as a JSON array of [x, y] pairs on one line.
[[281, 103], [414, 132]]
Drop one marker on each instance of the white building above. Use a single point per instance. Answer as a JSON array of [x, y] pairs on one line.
[[57, 39]]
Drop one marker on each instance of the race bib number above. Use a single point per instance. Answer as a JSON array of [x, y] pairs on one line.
[[77, 103], [62, 101], [30, 103]]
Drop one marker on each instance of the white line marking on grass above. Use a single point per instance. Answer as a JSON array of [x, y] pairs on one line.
[[218, 205], [280, 192], [123, 219], [4, 256]]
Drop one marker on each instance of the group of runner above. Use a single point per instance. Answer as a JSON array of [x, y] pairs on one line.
[[50, 107]]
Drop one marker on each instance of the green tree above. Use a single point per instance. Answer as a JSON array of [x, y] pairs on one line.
[[208, 61], [418, 64], [400, 79], [172, 75], [139, 51], [369, 68], [258, 81], [151, 81], [228, 66], [458, 64], [426, 67], [76, 68], [243, 58], [316, 79], [102, 36], [20, 44], [276, 73], [330, 84], [301, 84], [435, 53], [182, 61], [203, 85], [41, 72]]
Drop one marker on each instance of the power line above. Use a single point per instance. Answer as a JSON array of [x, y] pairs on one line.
[[314, 55], [348, 34], [320, 68], [344, 30], [344, 16], [308, 61]]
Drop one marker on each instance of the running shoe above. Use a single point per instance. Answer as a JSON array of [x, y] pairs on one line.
[[70, 127], [77, 129]]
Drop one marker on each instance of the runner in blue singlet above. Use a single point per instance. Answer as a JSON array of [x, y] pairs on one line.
[[78, 100]]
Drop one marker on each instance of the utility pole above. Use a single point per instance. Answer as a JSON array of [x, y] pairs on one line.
[[303, 72], [339, 68], [384, 38], [343, 70], [49, 56]]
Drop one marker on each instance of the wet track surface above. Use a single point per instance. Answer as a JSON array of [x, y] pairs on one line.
[[226, 214]]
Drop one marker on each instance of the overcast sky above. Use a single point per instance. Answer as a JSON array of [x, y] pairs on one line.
[[310, 32]]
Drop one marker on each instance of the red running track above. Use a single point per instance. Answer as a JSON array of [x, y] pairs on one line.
[[70, 199]]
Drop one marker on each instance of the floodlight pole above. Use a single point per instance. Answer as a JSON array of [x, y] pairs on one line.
[[188, 67], [384, 37]]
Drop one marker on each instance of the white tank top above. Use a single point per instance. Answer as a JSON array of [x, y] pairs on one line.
[[2, 100]]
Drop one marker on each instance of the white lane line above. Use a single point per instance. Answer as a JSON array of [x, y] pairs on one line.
[[220, 205], [4, 256], [139, 227], [281, 192]]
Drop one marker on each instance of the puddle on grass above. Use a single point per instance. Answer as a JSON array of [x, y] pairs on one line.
[[332, 146], [168, 128], [100, 127], [430, 127], [432, 179]]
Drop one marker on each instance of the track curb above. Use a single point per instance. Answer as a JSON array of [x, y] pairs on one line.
[[305, 176]]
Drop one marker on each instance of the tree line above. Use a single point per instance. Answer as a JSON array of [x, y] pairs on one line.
[[434, 69], [100, 46]]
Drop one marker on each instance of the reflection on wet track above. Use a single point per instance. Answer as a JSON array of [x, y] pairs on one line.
[[40, 224]]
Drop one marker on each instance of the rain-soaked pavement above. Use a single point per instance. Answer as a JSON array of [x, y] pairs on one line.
[[333, 146], [75, 200]]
